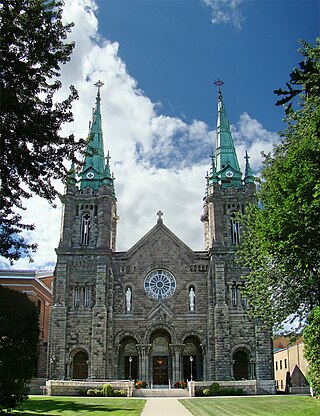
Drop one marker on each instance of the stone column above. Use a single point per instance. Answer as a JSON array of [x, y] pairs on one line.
[[176, 350], [143, 351], [221, 326]]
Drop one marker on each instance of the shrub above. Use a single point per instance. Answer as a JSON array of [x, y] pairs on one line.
[[214, 389], [206, 392], [120, 393], [91, 392], [107, 390]]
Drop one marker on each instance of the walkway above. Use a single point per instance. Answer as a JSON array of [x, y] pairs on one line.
[[164, 406]]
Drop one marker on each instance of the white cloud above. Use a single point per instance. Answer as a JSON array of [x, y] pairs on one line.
[[225, 11], [159, 161]]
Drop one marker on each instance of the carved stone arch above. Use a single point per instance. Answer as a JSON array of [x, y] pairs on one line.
[[193, 356], [191, 333], [243, 364], [79, 358], [127, 334], [160, 327], [126, 353]]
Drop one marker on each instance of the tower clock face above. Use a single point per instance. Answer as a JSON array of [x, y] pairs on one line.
[[229, 174], [90, 175], [160, 284]]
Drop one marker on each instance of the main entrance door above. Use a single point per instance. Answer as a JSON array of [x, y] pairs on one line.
[[160, 370]]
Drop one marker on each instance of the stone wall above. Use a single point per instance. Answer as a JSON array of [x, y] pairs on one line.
[[74, 388]]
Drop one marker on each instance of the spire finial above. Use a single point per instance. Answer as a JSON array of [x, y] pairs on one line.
[[247, 157], [159, 213], [99, 84], [219, 84]]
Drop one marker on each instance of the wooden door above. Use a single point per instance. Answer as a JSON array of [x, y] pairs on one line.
[[160, 370], [80, 365]]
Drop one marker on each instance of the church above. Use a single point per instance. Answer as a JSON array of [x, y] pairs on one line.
[[159, 312]]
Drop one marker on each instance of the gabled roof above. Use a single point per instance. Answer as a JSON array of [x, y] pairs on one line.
[[152, 236]]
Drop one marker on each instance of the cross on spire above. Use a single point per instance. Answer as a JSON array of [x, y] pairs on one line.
[[99, 84], [160, 213], [247, 157], [218, 83]]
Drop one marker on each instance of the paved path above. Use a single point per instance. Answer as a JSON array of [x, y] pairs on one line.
[[164, 406]]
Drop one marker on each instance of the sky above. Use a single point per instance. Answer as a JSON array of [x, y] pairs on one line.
[[158, 61]]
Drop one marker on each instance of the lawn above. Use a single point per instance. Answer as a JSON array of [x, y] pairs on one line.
[[72, 406], [254, 406]]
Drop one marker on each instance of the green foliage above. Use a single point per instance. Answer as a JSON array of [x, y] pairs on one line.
[[311, 336], [119, 393], [19, 331], [282, 240], [107, 390], [214, 389], [33, 47]]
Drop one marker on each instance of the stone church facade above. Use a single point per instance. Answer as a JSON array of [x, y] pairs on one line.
[[159, 312]]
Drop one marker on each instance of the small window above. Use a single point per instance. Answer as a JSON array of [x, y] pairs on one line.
[[280, 364], [85, 229], [86, 297], [234, 229], [234, 295], [77, 297], [281, 382], [285, 363], [276, 365]]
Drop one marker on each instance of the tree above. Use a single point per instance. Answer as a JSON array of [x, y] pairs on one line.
[[282, 240], [311, 337], [33, 151], [19, 332]]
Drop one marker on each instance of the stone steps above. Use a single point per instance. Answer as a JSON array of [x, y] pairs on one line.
[[161, 393]]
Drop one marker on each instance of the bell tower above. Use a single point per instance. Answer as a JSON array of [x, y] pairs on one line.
[[89, 218], [227, 192], [83, 283]]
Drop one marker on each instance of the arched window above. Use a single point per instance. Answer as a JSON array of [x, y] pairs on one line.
[[234, 297], [77, 296], [85, 229], [234, 229], [86, 297]]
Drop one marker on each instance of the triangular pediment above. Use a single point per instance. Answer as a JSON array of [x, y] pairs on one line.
[[160, 241], [160, 312]]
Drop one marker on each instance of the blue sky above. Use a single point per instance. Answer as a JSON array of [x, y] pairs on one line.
[[175, 52], [158, 61]]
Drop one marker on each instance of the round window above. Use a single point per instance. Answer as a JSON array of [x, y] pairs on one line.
[[160, 284]]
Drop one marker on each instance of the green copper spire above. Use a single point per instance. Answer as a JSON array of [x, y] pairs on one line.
[[95, 172], [248, 176], [227, 165]]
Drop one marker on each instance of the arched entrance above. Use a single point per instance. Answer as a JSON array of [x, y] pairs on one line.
[[128, 359], [80, 365], [160, 358], [192, 359], [241, 364]]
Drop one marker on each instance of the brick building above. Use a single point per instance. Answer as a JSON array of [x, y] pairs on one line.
[[38, 287], [159, 312]]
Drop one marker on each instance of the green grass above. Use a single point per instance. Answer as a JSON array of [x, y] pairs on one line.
[[72, 406], [254, 406]]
